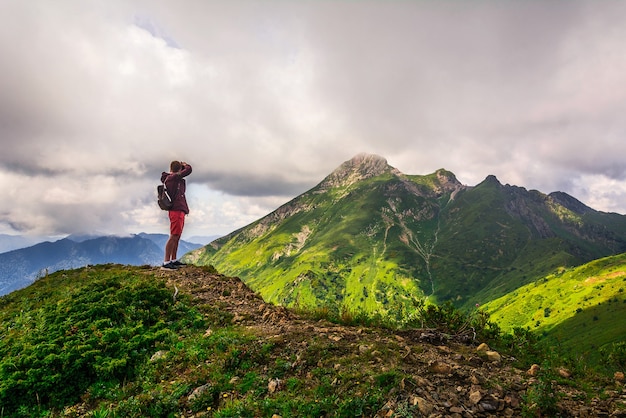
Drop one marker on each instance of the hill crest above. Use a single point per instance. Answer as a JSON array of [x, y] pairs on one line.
[[214, 345], [360, 167], [20, 267]]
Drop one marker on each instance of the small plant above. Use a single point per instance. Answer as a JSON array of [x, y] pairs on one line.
[[387, 380], [615, 355], [541, 399], [103, 412], [404, 410], [522, 344]]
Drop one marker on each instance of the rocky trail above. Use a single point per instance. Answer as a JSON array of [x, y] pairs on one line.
[[445, 378]]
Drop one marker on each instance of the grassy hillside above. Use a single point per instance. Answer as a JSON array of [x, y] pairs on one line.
[[330, 250], [383, 242], [496, 238], [582, 308], [120, 341]]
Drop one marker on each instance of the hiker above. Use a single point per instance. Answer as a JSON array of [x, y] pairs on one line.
[[175, 183]]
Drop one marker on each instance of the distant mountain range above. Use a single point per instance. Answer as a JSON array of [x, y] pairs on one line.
[[19, 268], [370, 237], [15, 242]]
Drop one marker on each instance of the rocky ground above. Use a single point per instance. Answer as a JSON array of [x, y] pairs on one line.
[[447, 378]]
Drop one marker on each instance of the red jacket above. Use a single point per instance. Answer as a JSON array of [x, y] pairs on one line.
[[175, 185]]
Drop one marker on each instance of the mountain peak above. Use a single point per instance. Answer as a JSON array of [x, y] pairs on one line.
[[367, 165], [360, 167], [490, 180]]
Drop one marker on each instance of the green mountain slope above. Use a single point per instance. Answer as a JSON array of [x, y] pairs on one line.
[[371, 237], [582, 308]]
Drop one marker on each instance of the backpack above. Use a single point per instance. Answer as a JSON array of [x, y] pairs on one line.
[[163, 198]]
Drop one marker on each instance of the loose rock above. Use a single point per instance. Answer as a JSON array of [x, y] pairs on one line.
[[493, 356], [534, 370]]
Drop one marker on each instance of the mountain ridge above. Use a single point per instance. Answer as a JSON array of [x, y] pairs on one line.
[[370, 235], [10, 242], [20, 267]]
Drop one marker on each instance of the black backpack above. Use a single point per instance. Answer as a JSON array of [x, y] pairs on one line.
[[164, 199]]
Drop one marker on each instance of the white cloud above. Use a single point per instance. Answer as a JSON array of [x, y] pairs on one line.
[[599, 191], [265, 99]]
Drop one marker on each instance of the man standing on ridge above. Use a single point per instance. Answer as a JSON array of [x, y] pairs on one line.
[[175, 184]]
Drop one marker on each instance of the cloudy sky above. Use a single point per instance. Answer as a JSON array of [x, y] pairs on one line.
[[265, 98]]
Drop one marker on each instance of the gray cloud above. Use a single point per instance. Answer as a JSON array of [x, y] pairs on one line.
[[265, 99], [247, 184]]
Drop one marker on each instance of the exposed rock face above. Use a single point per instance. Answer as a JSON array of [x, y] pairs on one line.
[[448, 181], [520, 206], [361, 167]]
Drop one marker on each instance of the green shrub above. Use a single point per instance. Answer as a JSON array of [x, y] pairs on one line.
[[100, 330], [615, 355], [522, 344], [541, 399]]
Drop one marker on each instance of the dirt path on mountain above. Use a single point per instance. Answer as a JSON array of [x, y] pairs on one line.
[[445, 378]]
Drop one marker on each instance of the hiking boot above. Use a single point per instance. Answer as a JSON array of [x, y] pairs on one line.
[[178, 263], [169, 266]]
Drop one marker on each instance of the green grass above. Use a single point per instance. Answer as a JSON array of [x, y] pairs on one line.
[[73, 330], [581, 309], [320, 249], [84, 341], [88, 335]]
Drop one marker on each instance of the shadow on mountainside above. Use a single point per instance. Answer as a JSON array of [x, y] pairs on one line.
[[439, 379]]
